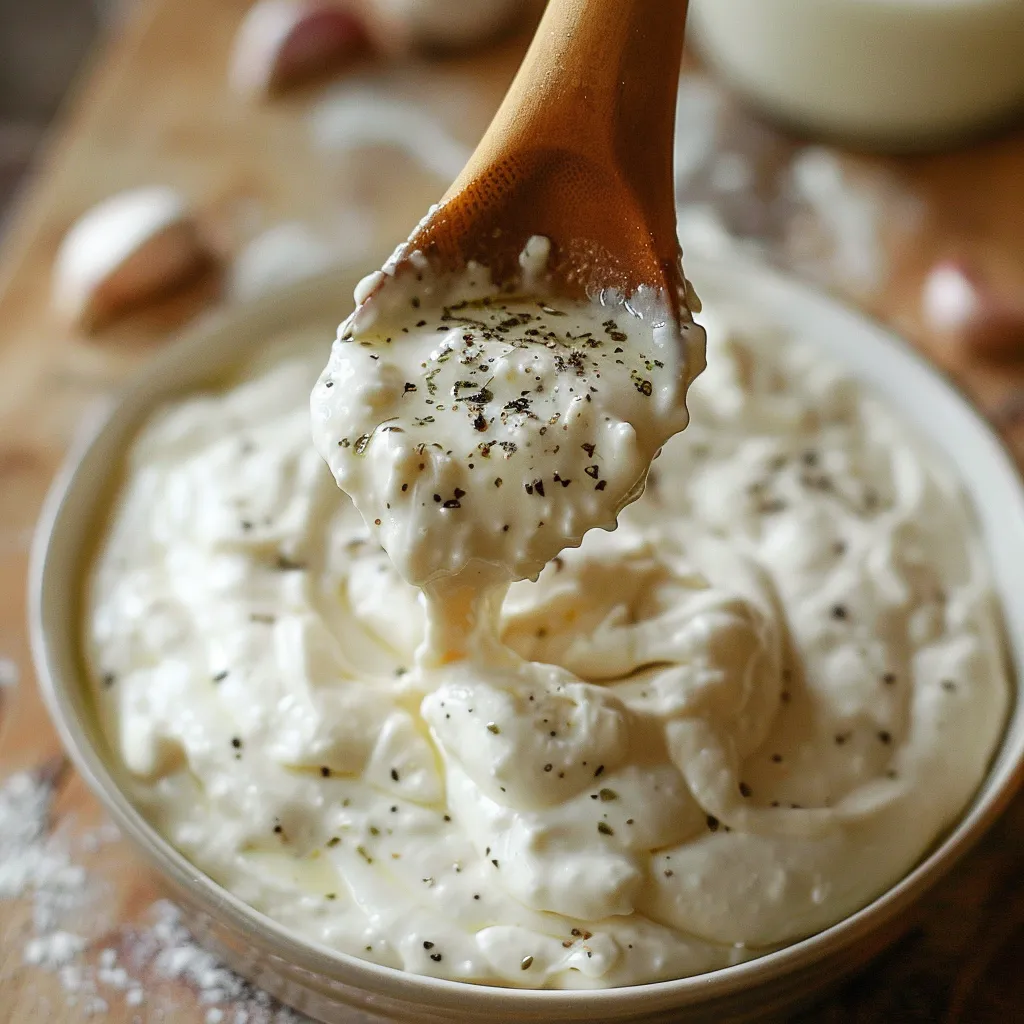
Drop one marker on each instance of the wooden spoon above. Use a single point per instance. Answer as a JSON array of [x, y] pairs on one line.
[[581, 152]]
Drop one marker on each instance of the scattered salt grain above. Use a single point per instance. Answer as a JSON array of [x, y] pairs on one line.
[[99, 836], [8, 673], [94, 1006], [114, 977], [53, 950], [71, 978]]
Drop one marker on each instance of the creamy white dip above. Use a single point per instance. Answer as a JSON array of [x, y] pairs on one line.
[[726, 725], [480, 433]]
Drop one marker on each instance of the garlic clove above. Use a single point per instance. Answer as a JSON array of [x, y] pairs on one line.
[[965, 307], [283, 42], [130, 248]]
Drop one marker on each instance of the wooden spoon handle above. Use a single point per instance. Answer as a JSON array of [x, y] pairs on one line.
[[600, 77], [581, 152]]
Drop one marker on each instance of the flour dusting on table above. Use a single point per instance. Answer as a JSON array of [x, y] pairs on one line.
[[65, 935]]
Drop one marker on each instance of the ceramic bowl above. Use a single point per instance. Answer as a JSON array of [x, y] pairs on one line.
[[890, 74], [337, 988]]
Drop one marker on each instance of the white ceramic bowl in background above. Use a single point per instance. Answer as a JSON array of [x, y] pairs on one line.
[[898, 74], [328, 985]]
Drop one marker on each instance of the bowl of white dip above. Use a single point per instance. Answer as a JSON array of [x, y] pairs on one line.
[[893, 74], [850, 540]]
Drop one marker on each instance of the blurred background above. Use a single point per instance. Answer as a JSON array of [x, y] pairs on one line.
[[786, 146], [42, 45]]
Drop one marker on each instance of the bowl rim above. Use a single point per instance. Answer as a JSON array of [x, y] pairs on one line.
[[122, 416]]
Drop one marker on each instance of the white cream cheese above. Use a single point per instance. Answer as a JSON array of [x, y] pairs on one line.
[[728, 724]]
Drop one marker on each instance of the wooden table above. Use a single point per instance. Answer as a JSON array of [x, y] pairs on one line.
[[154, 109]]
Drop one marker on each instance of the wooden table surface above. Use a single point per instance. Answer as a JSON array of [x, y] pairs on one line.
[[153, 108]]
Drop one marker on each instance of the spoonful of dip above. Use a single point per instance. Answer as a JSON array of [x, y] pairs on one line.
[[506, 380]]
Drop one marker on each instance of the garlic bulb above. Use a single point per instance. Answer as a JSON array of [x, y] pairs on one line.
[[285, 42]]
